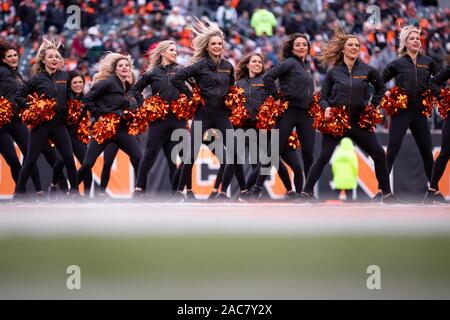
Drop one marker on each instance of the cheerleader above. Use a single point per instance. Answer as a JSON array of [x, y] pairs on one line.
[[214, 76], [412, 72], [110, 152], [433, 194], [51, 82], [76, 82], [161, 69], [297, 87], [108, 96], [16, 131], [250, 73], [347, 84]]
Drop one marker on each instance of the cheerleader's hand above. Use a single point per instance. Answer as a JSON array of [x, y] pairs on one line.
[[387, 93], [327, 113]]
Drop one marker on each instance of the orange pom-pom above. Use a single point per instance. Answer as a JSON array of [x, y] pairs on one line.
[[74, 109], [428, 103], [269, 112], [235, 101], [6, 111], [369, 118], [39, 110], [83, 128], [335, 125], [444, 102], [293, 141], [105, 128], [155, 108], [136, 121], [317, 113], [184, 108], [338, 122], [397, 100]]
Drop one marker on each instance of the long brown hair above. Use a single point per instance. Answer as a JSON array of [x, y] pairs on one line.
[[242, 70], [288, 45], [5, 46], [332, 52]]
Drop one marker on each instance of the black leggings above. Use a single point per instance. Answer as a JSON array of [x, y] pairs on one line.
[[8, 151], [367, 141], [209, 117], [109, 154], [444, 155], [57, 164], [79, 150], [39, 136], [123, 140], [159, 136], [19, 133], [418, 125], [288, 155], [302, 122]]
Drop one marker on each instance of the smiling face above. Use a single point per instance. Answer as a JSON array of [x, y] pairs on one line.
[[11, 58], [77, 85], [413, 42], [351, 49], [122, 68], [300, 48], [255, 65], [52, 59], [215, 46], [170, 55]]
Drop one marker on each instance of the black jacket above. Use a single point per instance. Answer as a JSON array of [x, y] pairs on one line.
[[440, 80], [254, 93], [213, 79], [159, 80], [340, 88], [10, 82], [413, 78], [107, 96], [296, 83], [53, 86]]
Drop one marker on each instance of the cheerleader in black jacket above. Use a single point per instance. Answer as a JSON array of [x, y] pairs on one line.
[[76, 82], [412, 73], [10, 82], [158, 76], [250, 73], [106, 96], [214, 76], [297, 87], [433, 193], [347, 84], [53, 83]]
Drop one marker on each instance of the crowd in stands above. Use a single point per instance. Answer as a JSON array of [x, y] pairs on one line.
[[137, 26]]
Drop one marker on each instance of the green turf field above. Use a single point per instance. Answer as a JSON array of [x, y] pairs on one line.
[[226, 267]]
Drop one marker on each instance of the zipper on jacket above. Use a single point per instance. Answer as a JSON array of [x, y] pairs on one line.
[[350, 101], [415, 84]]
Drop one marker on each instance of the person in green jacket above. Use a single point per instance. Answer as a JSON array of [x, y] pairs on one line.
[[263, 21], [345, 168]]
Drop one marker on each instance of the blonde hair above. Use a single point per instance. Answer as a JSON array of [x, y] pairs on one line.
[[404, 34], [48, 43], [156, 54], [108, 65], [332, 52], [203, 32]]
